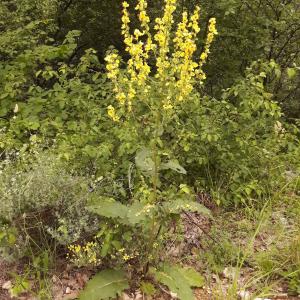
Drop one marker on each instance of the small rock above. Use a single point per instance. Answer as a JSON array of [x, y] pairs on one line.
[[126, 297], [244, 295], [215, 277], [229, 272], [71, 296], [68, 290], [138, 295], [7, 285]]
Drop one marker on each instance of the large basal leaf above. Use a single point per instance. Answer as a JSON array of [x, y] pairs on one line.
[[178, 280], [106, 284], [108, 207], [181, 204], [144, 161], [194, 278], [139, 212], [173, 165]]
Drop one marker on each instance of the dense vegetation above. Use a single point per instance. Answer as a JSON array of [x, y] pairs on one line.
[[119, 122]]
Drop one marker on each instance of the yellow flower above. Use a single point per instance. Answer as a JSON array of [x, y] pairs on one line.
[[212, 31], [112, 66], [126, 257], [174, 74], [121, 97], [112, 113], [168, 105]]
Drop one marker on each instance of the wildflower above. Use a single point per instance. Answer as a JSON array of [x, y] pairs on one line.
[[112, 66], [168, 105], [112, 113], [126, 257], [121, 97], [212, 31], [175, 74]]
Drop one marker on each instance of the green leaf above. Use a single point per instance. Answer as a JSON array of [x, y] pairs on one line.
[[105, 285], [194, 278], [173, 165], [144, 161], [147, 288], [184, 188], [179, 205], [108, 207], [291, 72], [139, 212], [20, 287], [172, 277]]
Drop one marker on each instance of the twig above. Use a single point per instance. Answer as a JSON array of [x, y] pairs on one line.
[[202, 229]]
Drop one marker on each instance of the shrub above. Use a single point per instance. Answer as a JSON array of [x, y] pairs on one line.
[[41, 201]]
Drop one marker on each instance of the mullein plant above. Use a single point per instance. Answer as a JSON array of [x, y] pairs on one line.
[[149, 88], [160, 73], [153, 83]]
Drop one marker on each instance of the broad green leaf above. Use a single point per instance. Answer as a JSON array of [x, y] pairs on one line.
[[106, 284], [172, 277], [108, 207], [180, 204], [173, 165], [139, 212], [184, 188], [193, 277], [144, 161], [165, 278]]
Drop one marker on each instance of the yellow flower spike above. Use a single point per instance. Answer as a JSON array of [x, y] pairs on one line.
[[174, 74], [212, 31], [194, 21], [112, 66], [112, 113], [163, 27], [185, 46]]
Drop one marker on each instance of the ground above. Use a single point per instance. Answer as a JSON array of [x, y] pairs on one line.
[[231, 248]]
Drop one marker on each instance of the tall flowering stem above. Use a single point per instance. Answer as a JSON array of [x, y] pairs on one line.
[[173, 74]]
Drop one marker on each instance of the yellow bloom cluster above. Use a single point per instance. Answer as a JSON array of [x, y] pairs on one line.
[[175, 73], [212, 31], [112, 113], [162, 37], [185, 47], [83, 255], [125, 256]]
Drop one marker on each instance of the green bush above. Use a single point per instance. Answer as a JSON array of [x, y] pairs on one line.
[[238, 147], [42, 201]]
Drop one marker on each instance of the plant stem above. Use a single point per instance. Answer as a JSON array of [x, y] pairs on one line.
[[155, 178]]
